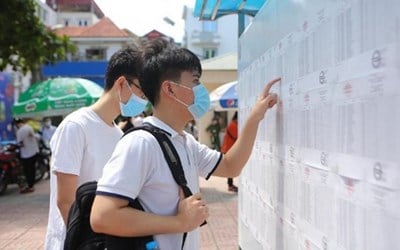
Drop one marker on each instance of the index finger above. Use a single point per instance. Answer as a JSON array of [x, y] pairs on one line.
[[268, 87]]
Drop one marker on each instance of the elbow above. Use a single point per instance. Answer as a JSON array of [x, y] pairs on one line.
[[236, 173], [97, 219], [97, 224]]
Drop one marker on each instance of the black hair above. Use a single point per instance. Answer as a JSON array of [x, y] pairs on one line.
[[164, 61], [17, 120], [125, 62], [235, 116]]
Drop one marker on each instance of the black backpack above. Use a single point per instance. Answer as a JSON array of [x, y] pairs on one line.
[[80, 235]]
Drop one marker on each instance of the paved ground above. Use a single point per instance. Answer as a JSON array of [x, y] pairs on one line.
[[23, 218]]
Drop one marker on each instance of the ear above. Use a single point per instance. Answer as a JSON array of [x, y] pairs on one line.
[[120, 82], [166, 87]]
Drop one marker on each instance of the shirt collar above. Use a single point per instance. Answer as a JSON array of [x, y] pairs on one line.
[[160, 124]]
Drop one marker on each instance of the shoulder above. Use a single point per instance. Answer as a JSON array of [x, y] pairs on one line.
[[83, 117], [139, 135], [80, 115]]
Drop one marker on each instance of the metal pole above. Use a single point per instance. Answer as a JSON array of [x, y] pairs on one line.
[[240, 23]]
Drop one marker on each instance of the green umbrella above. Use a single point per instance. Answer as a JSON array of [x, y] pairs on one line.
[[58, 96]]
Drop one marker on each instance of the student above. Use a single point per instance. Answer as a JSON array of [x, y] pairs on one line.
[[137, 167], [85, 139]]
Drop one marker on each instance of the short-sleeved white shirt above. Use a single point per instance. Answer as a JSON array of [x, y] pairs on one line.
[[26, 135], [81, 146], [48, 132], [138, 168]]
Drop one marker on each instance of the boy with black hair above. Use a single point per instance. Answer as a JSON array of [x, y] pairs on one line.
[[85, 139], [137, 169]]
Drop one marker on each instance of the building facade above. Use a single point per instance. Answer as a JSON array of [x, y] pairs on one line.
[[209, 39], [95, 36]]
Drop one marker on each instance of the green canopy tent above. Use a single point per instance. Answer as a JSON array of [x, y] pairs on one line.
[[58, 96]]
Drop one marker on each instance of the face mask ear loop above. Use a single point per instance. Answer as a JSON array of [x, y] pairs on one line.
[[119, 93], [184, 104], [176, 99]]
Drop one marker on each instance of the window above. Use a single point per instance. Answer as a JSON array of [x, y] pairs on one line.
[[82, 22], [44, 16], [209, 53], [209, 26], [96, 54]]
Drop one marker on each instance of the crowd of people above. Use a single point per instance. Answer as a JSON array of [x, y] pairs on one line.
[[88, 145]]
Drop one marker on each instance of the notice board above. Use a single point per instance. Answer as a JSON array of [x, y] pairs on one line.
[[324, 172]]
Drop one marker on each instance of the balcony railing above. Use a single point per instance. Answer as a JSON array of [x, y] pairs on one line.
[[205, 38]]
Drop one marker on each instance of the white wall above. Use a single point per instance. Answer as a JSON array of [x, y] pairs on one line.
[[226, 29], [110, 46], [46, 14], [74, 18]]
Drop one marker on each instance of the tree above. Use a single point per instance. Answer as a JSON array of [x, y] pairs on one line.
[[25, 42]]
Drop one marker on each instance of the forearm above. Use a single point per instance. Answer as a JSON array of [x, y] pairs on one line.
[[64, 208], [235, 159], [66, 188], [127, 221], [239, 153]]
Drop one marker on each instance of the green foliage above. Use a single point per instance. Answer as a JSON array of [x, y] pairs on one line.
[[25, 42]]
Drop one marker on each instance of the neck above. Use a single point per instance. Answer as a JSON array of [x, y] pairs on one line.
[[170, 116], [107, 108]]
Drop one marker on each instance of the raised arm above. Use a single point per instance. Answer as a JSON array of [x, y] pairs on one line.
[[234, 160]]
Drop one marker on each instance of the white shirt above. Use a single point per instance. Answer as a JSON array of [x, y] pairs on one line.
[[138, 168], [26, 135], [81, 146], [47, 133]]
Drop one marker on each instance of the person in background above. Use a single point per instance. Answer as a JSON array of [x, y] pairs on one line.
[[29, 149], [138, 169], [47, 131], [214, 129], [86, 138], [230, 136], [137, 121], [124, 123], [191, 128]]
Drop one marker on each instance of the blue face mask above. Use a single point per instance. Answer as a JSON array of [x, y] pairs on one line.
[[133, 107], [201, 102]]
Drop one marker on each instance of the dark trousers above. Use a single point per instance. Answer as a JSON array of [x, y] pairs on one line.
[[230, 181], [29, 170]]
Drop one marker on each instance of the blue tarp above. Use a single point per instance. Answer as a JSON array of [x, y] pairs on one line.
[[93, 71], [213, 9], [6, 102]]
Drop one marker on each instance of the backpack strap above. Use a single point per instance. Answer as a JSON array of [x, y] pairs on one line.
[[172, 158], [170, 155]]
